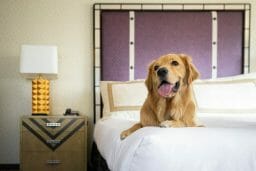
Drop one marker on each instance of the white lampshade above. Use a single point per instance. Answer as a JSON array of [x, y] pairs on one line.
[[38, 60]]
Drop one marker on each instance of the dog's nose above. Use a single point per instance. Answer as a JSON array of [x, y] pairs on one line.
[[162, 72]]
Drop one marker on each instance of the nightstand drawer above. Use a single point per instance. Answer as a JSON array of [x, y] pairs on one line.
[[53, 125], [35, 161], [70, 161], [61, 161], [67, 141]]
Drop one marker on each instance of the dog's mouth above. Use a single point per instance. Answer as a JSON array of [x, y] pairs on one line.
[[166, 88]]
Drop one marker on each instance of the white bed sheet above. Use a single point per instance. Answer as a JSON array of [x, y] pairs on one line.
[[227, 143]]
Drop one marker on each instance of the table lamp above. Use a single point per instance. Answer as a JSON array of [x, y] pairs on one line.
[[39, 63]]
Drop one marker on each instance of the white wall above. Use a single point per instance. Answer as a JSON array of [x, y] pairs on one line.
[[67, 24]]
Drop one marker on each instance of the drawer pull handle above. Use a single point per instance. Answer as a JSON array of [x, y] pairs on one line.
[[53, 141], [52, 162], [53, 124]]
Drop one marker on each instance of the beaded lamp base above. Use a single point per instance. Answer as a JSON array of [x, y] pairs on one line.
[[40, 96]]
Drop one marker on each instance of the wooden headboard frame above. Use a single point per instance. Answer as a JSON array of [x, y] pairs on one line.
[[131, 7]]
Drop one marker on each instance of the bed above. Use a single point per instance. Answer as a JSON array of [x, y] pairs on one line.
[[227, 142], [121, 56]]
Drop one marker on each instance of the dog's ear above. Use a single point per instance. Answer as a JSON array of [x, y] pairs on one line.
[[191, 71], [149, 80]]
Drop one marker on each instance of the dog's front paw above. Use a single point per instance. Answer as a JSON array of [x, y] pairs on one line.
[[166, 124], [124, 134]]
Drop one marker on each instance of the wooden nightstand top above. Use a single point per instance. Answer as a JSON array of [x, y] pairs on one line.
[[54, 116]]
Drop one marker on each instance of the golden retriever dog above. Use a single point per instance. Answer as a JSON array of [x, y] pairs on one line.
[[170, 100]]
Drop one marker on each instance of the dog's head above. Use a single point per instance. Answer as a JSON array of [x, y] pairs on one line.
[[169, 73]]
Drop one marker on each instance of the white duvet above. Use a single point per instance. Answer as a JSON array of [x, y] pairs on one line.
[[227, 143]]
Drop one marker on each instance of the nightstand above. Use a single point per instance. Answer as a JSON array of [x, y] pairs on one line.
[[53, 143]]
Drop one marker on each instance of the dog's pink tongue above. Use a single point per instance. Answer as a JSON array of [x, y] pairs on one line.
[[165, 89]]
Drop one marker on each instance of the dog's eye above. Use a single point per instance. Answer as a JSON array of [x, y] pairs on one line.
[[174, 63], [156, 67]]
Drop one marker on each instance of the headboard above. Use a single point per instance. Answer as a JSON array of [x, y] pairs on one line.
[[127, 37]]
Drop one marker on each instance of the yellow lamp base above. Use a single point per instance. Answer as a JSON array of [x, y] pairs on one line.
[[40, 96]]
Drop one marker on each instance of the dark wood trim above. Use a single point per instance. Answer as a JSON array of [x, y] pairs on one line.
[[9, 166]]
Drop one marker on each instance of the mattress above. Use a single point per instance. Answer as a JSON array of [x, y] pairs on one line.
[[228, 142]]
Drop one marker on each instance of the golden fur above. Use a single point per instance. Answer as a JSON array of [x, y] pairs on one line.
[[175, 109]]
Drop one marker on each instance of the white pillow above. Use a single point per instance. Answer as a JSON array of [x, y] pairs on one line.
[[230, 78], [133, 115], [122, 96], [231, 94]]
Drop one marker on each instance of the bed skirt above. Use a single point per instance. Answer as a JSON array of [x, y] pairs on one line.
[[98, 163]]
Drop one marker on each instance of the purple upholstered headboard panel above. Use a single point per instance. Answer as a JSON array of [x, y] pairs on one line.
[[158, 33], [230, 43], [115, 46]]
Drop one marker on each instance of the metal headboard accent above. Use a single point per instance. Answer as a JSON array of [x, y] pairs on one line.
[[131, 7]]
